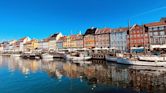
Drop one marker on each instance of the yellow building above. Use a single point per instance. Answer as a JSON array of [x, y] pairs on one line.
[[31, 45]]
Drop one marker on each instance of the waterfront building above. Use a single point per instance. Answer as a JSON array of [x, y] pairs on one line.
[[59, 43], [118, 39], [53, 39], [50, 42], [66, 40], [157, 33], [45, 44], [31, 45], [137, 37], [102, 38], [19, 45], [89, 38], [8, 46], [1, 48], [40, 44], [76, 41]]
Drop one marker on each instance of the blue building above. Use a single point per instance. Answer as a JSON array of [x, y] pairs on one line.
[[118, 39]]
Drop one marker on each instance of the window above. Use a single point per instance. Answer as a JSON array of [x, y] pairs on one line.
[[156, 33], [162, 33], [155, 28], [150, 29], [161, 28]]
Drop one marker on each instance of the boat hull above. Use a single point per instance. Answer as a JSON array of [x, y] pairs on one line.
[[111, 58], [68, 57], [140, 63]]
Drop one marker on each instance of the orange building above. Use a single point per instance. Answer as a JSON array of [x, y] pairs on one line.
[[89, 38]]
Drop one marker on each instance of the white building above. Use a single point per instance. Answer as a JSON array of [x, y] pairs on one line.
[[19, 45], [118, 39]]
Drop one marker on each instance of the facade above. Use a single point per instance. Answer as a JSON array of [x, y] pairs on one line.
[[118, 39], [19, 45], [157, 33], [89, 38], [45, 44], [1, 48], [53, 39], [66, 41], [40, 44], [31, 45], [137, 37], [102, 38], [59, 43], [76, 41]]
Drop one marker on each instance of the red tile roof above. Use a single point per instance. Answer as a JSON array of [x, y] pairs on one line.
[[155, 24], [120, 29], [103, 31], [63, 38], [76, 37]]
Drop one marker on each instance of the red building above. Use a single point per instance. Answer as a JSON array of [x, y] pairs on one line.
[[137, 37]]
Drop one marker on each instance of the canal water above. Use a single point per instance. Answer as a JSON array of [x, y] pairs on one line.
[[58, 76]]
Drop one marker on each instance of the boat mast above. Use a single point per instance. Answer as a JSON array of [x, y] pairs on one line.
[[129, 36], [143, 38]]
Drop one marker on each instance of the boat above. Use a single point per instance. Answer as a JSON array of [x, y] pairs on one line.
[[77, 57], [59, 55], [111, 58], [15, 55], [152, 58], [128, 61], [47, 56], [32, 56]]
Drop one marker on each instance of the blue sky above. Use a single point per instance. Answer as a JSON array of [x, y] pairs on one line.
[[40, 18]]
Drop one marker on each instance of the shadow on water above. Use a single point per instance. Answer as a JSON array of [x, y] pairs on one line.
[[94, 76]]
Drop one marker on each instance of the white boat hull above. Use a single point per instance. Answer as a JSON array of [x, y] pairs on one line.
[[68, 57], [47, 56], [140, 63], [110, 58], [16, 55], [152, 58]]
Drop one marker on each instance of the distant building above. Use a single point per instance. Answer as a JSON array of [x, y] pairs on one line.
[[102, 38], [118, 39], [60, 41], [50, 42], [137, 37], [76, 41], [53, 39], [1, 48], [89, 38], [157, 33], [19, 45], [31, 45], [66, 41]]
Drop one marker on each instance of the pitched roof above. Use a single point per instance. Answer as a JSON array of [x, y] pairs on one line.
[[120, 29], [103, 31], [155, 24], [76, 37], [63, 38], [90, 31], [33, 40]]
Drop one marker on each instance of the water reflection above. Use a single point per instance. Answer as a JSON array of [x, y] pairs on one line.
[[96, 73]]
